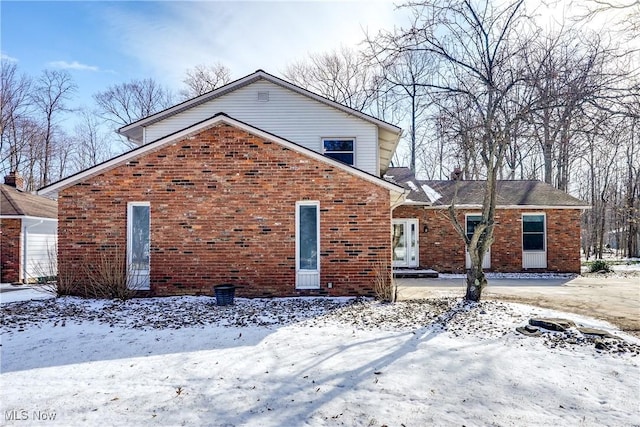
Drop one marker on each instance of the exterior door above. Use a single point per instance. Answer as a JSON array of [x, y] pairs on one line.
[[405, 243]]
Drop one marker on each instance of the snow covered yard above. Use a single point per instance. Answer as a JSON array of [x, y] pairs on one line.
[[307, 361]]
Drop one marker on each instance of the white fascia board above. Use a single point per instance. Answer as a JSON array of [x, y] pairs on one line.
[[410, 202], [221, 118], [37, 218]]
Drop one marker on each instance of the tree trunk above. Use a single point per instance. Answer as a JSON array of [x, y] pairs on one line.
[[476, 282]]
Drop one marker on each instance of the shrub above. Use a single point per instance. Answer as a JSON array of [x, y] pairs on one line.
[[384, 286], [599, 265], [108, 276]]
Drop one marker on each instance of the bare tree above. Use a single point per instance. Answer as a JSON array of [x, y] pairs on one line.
[[403, 75], [14, 103], [126, 103], [51, 92], [342, 76], [572, 74], [625, 14], [91, 144], [478, 54], [204, 78]]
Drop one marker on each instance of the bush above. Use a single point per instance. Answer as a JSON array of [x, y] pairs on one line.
[[384, 286], [109, 277], [599, 265]]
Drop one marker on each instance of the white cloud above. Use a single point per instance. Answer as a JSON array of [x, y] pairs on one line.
[[244, 36], [74, 65], [5, 57]]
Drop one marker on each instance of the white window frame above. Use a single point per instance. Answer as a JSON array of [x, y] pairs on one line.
[[534, 258], [339, 138], [307, 279], [140, 278], [486, 261]]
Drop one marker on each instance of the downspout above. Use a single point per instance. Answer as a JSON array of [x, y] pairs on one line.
[[25, 232]]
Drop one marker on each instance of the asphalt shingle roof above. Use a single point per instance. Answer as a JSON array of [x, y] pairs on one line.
[[16, 202], [510, 192]]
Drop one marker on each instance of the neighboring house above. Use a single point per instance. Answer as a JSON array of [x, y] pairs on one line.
[[28, 232], [537, 226], [259, 183]]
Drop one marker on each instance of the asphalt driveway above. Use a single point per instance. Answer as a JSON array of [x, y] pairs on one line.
[[612, 298]]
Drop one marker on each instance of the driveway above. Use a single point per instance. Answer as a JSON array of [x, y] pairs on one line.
[[614, 299]]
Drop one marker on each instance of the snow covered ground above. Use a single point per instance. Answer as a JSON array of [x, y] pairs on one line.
[[296, 362]]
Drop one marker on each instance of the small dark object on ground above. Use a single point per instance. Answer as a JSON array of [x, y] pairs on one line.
[[224, 294]]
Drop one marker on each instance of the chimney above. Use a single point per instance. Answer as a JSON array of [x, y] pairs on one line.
[[456, 175], [14, 179]]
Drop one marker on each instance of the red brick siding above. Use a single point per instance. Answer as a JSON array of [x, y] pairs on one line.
[[10, 230], [223, 211], [442, 249]]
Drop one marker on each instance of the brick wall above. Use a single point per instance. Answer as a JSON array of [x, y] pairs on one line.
[[223, 211], [442, 249], [10, 230]]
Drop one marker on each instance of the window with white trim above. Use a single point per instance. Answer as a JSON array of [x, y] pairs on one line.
[[138, 244], [307, 245], [341, 149], [472, 221], [533, 232]]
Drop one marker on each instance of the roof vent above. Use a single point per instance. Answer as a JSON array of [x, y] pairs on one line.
[[263, 96]]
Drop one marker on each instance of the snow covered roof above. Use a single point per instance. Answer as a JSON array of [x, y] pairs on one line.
[[511, 193]]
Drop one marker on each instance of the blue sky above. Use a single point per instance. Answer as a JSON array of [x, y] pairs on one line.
[[107, 42]]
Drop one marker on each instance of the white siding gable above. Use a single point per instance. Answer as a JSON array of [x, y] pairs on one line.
[[286, 114]]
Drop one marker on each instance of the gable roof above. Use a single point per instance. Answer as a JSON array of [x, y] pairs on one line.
[[511, 193], [14, 202], [388, 134], [198, 127]]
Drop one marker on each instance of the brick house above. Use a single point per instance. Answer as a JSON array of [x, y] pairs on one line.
[[537, 226], [264, 185], [28, 232], [260, 184]]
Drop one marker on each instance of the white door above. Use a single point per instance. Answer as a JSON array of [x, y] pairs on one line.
[[405, 243]]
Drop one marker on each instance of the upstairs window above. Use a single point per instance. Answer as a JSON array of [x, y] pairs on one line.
[[342, 149]]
